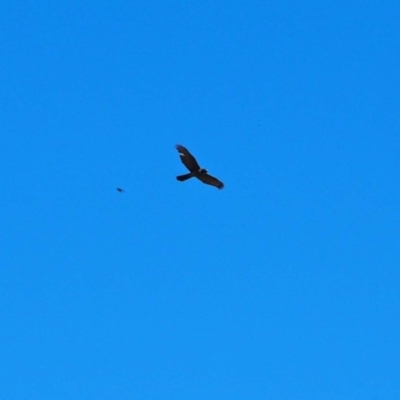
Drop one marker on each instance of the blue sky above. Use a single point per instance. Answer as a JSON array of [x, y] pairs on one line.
[[285, 285]]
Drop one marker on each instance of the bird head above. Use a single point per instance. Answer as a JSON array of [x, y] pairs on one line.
[[203, 171]]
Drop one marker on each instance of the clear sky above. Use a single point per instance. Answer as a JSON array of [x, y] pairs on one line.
[[284, 285]]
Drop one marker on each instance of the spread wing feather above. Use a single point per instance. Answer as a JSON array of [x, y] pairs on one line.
[[187, 159], [211, 180]]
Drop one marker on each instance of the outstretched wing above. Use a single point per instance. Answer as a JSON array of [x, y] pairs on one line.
[[211, 180], [187, 159]]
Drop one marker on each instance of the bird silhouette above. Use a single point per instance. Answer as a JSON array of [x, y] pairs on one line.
[[193, 166]]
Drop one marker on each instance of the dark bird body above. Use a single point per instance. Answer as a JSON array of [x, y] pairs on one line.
[[195, 170]]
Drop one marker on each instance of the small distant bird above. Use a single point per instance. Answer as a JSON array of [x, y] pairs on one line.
[[120, 190], [195, 171]]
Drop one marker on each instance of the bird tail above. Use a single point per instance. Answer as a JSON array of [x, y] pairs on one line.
[[184, 177]]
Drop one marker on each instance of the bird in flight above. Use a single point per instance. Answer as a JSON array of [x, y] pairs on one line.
[[120, 190], [195, 171]]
